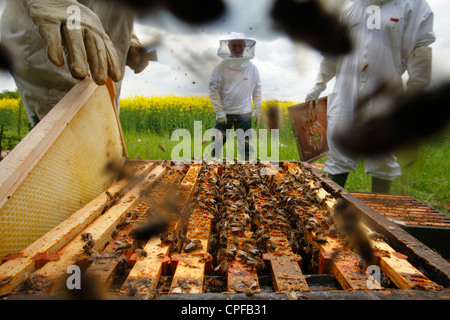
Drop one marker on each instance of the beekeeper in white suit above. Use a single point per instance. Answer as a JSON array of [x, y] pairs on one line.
[[56, 43], [390, 37], [233, 85]]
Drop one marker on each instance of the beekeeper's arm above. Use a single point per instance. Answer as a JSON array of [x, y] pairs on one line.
[[137, 56], [421, 35], [419, 69], [215, 88], [257, 100], [326, 73], [80, 30]]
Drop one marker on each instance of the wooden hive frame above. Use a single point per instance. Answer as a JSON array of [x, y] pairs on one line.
[[309, 124], [60, 165]]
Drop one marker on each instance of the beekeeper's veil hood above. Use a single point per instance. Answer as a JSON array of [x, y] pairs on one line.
[[224, 48]]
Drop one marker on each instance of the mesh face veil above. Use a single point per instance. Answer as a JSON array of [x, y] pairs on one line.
[[229, 48]]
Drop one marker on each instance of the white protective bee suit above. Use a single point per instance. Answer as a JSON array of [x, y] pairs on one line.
[[235, 82], [45, 70], [233, 85], [382, 53]]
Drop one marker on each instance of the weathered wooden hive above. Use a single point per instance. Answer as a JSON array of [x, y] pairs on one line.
[[213, 230]]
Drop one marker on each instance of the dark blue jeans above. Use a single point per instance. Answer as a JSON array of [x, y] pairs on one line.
[[236, 121]]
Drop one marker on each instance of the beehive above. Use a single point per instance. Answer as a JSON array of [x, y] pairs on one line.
[[202, 214], [250, 230], [59, 166]]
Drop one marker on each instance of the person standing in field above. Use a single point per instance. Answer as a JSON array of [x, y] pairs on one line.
[[389, 38], [233, 85]]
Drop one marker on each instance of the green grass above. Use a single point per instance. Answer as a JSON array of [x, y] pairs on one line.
[[148, 146], [426, 172]]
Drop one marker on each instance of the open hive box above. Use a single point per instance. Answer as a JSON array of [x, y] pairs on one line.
[[192, 230], [426, 224]]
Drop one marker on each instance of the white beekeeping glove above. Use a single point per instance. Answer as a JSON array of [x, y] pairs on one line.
[[221, 116], [257, 102], [314, 93], [419, 69], [86, 42], [326, 73], [137, 56]]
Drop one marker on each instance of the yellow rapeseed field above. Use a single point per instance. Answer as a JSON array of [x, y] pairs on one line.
[[155, 114], [163, 114]]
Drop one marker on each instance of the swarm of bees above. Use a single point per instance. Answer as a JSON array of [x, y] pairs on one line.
[[250, 212], [234, 234], [249, 208]]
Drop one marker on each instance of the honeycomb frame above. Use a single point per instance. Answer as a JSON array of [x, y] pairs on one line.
[[60, 165]]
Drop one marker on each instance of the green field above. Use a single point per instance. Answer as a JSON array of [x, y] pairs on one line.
[[148, 123]]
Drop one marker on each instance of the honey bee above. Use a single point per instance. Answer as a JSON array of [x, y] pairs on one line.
[[261, 231], [90, 243], [237, 229], [164, 236], [229, 253], [377, 237], [30, 282], [85, 236], [223, 236], [310, 227], [193, 245], [332, 231], [249, 292], [251, 249], [132, 291], [263, 238], [283, 225], [255, 263], [123, 267], [222, 267], [123, 246], [242, 255], [87, 249], [140, 252], [122, 224], [320, 240]]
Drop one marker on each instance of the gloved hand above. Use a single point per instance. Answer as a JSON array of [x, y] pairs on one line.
[[257, 102], [86, 41], [221, 115], [326, 73], [137, 57], [314, 94], [419, 69], [257, 115]]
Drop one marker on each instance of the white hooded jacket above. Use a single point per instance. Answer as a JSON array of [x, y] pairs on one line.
[[236, 87], [235, 82], [380, 55]]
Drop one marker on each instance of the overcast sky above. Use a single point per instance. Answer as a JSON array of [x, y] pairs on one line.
[[187, 54]]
